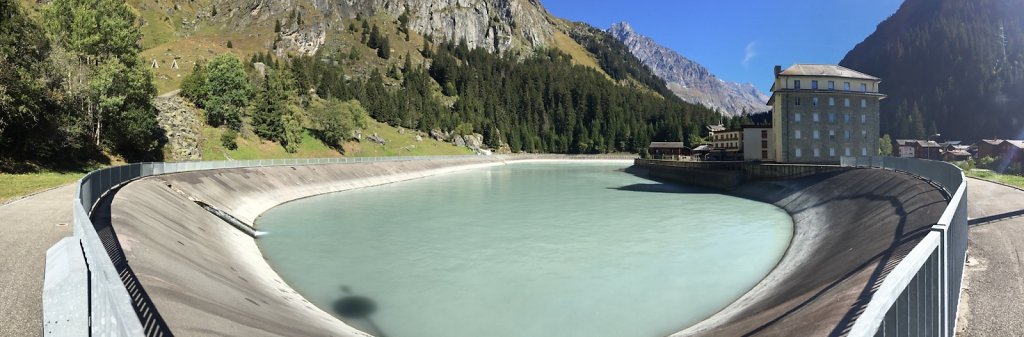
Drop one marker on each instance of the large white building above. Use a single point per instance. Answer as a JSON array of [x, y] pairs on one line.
[[822, 112]]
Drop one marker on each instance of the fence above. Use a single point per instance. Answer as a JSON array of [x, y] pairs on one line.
[[118, 305], [920, 296]]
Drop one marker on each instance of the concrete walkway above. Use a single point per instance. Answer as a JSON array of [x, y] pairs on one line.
[[993, 301], [29, 227]]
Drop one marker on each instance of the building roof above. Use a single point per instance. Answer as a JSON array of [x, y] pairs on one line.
[[716, 128], [928, 143], [959, 153], [905, 142], [668, 145], [992, 141], [951, 142], [825, 70], [702, 148], [960, 147], [1016, 143]]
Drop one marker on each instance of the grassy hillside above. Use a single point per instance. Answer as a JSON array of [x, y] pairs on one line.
[[398, 144]]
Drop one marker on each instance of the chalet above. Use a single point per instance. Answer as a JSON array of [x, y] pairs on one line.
[[923, 149], [906, 148], [956, 155], [1012, 151], [989, 148], [669, 150]]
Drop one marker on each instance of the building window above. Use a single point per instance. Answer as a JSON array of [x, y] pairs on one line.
[[814, 101], [846, 86], [832, 134], [796, 101], [814, 84], [764, 133], [814, 116], [764, 154], [798, 153], [831, 117], [846, 152], [864, 134], [863, 151], [796, 84], [863, 118], [863, 103], [863, 87], [846, 118], [796, 117], [831, 85], [831, 101], [831, 152], [846, 135], [796, 134], [817, 153], [816, 135], [846, 102], [764, 144]]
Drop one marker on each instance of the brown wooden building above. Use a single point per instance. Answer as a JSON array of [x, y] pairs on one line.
[[669, 150]]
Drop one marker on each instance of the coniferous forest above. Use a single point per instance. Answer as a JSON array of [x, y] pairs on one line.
[[953, 67]]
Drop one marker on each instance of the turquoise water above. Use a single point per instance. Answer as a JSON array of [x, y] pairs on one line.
[[524, 250]]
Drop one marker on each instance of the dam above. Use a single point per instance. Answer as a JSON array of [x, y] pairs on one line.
[[877, 247], [525, 249]]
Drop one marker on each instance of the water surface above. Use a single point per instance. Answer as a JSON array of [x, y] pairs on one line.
[[524, 250]]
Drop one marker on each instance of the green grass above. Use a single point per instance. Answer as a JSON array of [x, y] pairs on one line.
[[397, 144], [1009, 179], [16, 185]]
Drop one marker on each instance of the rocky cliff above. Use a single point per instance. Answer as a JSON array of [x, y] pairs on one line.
[[495, 25], [688, 79]]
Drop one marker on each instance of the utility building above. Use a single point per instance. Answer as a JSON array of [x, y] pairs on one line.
[[823, 112]]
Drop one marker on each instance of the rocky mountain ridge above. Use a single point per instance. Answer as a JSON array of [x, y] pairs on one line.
[[688, 79], [495, 25]]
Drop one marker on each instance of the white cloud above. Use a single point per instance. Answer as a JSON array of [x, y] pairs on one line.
[[749, 53]]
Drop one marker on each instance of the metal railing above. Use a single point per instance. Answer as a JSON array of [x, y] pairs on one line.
[[118, 305], [921, 295]]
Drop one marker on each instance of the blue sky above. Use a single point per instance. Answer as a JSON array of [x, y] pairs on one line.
[[741, 41]]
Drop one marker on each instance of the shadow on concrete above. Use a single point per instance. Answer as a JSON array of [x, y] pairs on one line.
[[995, 218], [356, 311]]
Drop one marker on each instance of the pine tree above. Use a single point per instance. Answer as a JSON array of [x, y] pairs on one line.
[[384, 51], [277, 25]]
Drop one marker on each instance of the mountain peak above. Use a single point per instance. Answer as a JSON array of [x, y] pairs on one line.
[[688, 79], [621, 27]]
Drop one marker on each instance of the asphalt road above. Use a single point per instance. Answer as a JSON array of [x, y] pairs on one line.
[[993, 302], [29, 227]]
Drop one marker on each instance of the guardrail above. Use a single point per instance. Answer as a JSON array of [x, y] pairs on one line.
[[921, 295], [118, 305]]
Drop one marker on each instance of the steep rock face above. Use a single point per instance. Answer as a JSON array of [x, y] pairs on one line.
[[688, 79], [495, 25]]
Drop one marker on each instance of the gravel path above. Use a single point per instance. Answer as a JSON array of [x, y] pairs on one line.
[[994, 282], [29, 227]]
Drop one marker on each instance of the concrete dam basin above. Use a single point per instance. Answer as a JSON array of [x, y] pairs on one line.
[[524, 250], [208, 278]]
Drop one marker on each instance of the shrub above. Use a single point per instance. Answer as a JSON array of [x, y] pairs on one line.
[[228, 139]]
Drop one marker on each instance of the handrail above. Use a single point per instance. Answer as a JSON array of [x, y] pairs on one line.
[[938, 260]]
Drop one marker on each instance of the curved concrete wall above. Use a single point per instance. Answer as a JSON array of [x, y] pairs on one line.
[[207, 277], [851, 226]]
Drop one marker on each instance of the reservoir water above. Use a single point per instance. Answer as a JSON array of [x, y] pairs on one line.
[[524, 250]]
